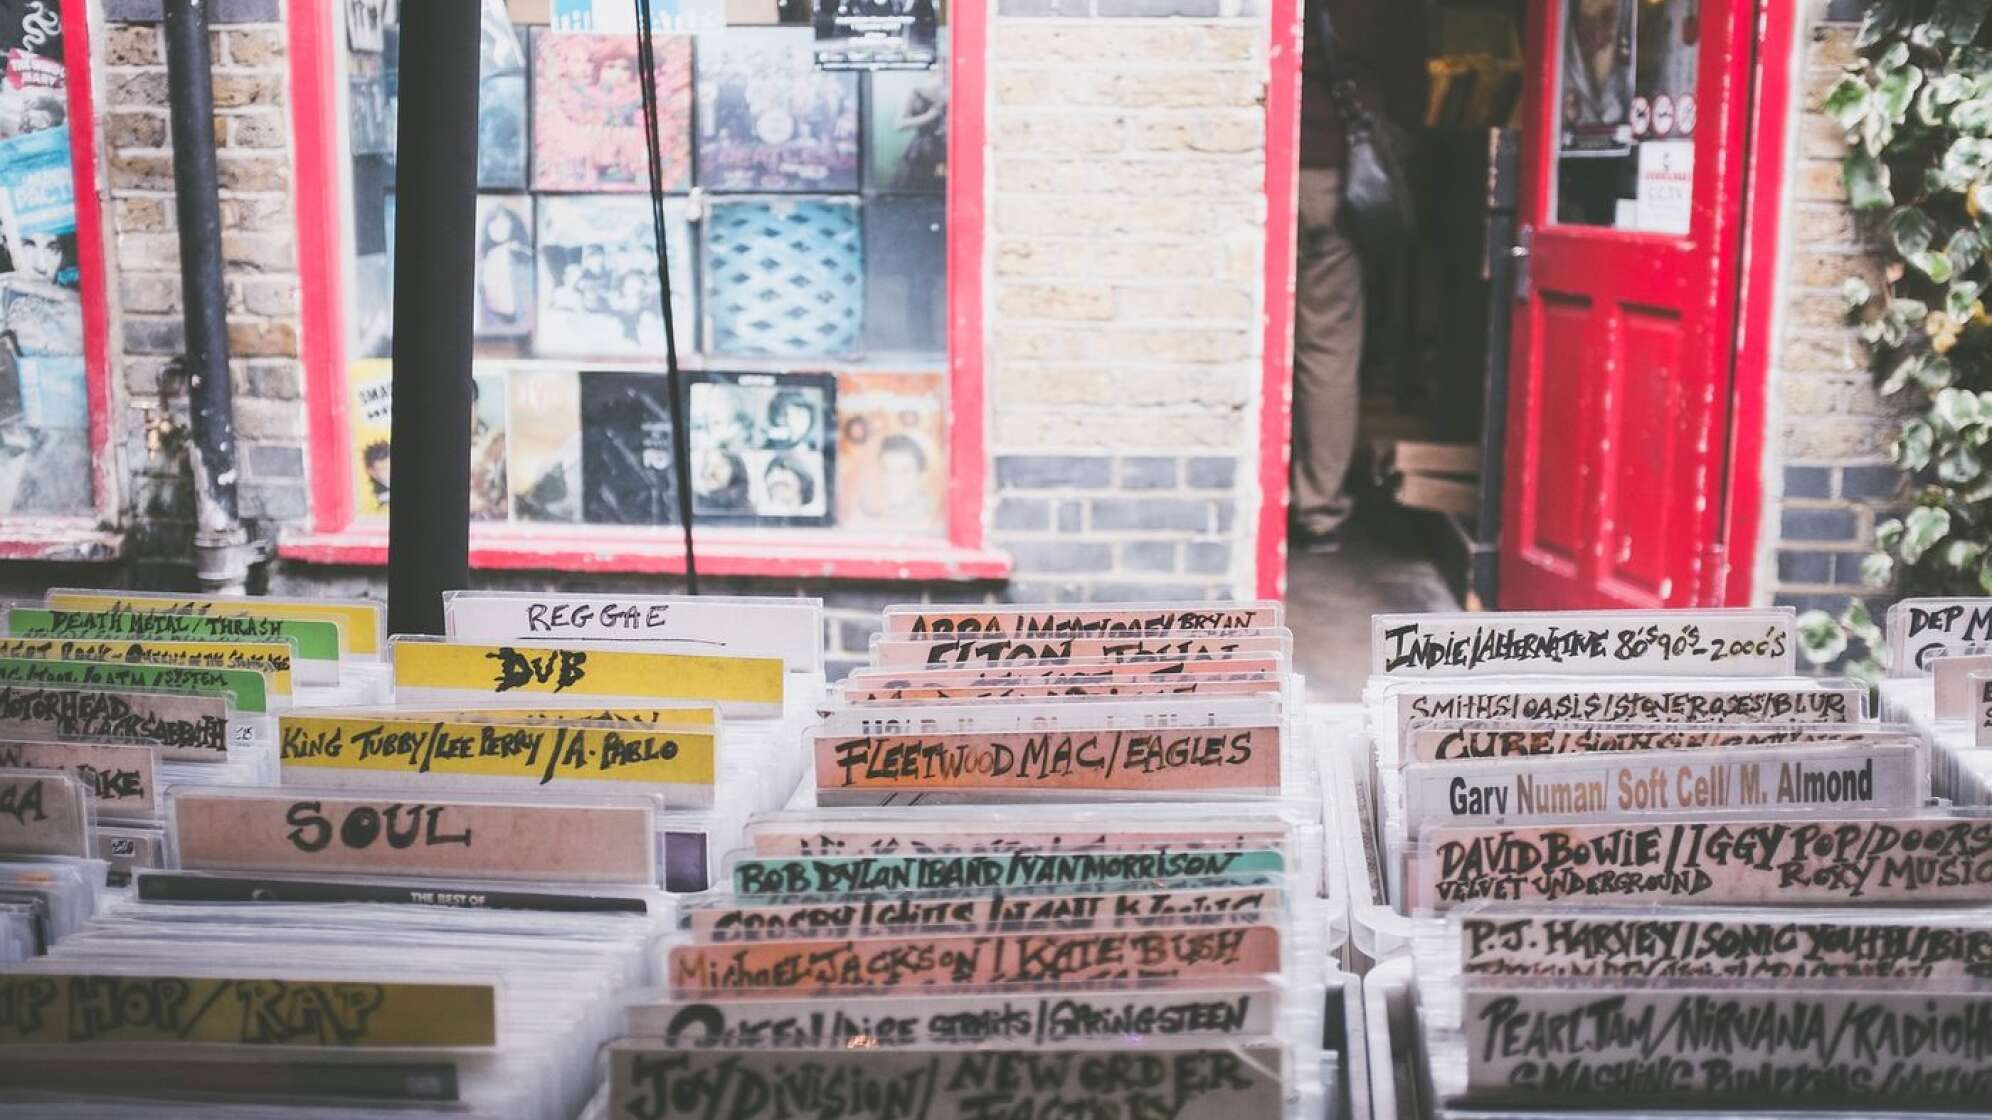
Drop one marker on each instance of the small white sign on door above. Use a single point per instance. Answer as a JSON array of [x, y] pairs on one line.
[[1666, 185]]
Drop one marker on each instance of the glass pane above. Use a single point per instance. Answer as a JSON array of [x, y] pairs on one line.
[[807, 234], [1628, 111], [44, 403]]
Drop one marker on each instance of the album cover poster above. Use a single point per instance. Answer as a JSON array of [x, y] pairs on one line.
[[628, 473], [501, 102], [769, 120], [504, 267], [33, 78], [1597, 77], [784, 277], [588, 130], [369, 118], [891, 454], [907, 131], [597, 291], [763, 448], [544, 444], [875, 34], [906, 305], [370, 421], [366, 24], [489, 498]]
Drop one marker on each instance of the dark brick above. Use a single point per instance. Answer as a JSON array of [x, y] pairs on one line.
[[223, 11], [1818, 525], [274, 503], [1148, 556], [1053, 472], [1023, 514], [1847, 568], [276, 460], [1870, 483], [1227, 513], [1045, 7], [1808, 482], [1212, 474], [1846, 11], [1204, 8], [1148, 474], [875, 597], [1805, 567], [154, 336], [1060, 556], [1207, 558], [1117, 592], [854, 635], [1071, 516], [1181, 514]]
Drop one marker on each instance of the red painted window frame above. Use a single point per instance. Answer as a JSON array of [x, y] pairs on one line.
[[91, 536], [802, 554]]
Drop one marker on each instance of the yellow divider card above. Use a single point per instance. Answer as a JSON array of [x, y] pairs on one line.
[[427, 670], [272, 659], [360, 622], [581, 712]]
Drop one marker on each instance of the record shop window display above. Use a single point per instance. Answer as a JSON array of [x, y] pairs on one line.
[[806, 228]]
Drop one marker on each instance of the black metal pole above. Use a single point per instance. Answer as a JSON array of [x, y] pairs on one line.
[[435, 182], [221, 555]]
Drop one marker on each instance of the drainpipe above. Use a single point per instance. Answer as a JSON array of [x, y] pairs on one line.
[[223, 552]]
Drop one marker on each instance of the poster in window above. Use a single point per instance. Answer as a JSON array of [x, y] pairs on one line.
[[44, 400], [763, 448], [597, 291], [501, 102], [891, 454], [366, 25], [370, 418], [769, 120], [785, 277], [544, 444], [489, 498], [907, 149], [906, 254], [627, 468], [875, 34], [588, 132], [504, 267], [1597, 77]]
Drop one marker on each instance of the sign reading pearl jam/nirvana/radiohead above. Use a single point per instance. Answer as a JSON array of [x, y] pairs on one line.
[[763, 448], [769, 120]]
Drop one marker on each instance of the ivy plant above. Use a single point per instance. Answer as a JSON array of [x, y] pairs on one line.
[[1916, 107]]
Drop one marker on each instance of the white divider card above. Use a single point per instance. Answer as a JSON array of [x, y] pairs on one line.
[[122, 778], [999, 649], [431, 672], [1072, 907], [1981, 709], [790, 630], [926, 620], [650, 1080], [1456, 741], [1505, 940], [303, 832], [1807, 859], [1950, 682], [187, 728], [1719, 643], [1920, 629], [1247, 1007], [776, 878], [362, 623], [1674, 1043], [1874, 777]]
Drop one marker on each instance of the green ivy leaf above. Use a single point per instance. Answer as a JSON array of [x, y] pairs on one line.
[[1962, 555], [1911, 230], [1964, 248], [1936, 266], [1959, 301], [1935, 373], [1888, 534], [1959, 20], [1877, 569], [1820, 638], [1892, 59], [1955, 409], [1847, 102], [1922, 530], [1858, 622], [1902, 373], [1896, 90], [1973, 118], [1964, 160], [1985, 575], [1867, 181], [1911, 449], [1949, 88], [1856, 292], [1881, 20], [1959, 465]]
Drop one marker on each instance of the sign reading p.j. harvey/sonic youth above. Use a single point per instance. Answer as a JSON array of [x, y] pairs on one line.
[[315, 642], [867, 768], [1242, 1008], [1861, 778], [1867, 943], [1746, 1047], [186, 727], [1920, 629], [1740, 643], [788, 629], [122, 778], [1793, 702], [1438, 741], [1785, 861], [651, 1081]]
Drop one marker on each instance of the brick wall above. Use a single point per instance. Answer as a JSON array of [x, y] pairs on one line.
[[252, 131], [1828, 480]]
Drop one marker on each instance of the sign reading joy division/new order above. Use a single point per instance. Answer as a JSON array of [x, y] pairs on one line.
[[362, 625], [428, 671], [186, 727], [314, 643], [1739, 643], [790, 631]]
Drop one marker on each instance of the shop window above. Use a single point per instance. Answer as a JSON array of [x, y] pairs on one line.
[[808, 235], [1627, 95]]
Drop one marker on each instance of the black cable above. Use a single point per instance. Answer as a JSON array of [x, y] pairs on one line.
[[681, 444]]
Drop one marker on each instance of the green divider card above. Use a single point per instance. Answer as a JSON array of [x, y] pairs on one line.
[[246, 687], [1004, 871], [314, 640]]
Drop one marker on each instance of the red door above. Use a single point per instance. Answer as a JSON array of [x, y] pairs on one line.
[[1619, 382]]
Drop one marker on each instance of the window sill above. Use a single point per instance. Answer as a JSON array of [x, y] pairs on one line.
[[60, 542], [657, 550]]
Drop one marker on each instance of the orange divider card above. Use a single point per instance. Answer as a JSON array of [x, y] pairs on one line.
[[1135, 761]]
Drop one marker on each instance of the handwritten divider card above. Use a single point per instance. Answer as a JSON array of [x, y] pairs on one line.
[[122, 778], [788, 630], [362, 624], [286, 1011], [651, 1081], [1981, 709], [428, 671], [186, 727], [1075, 671], [573, 711], [271, 659], [1685, 1042], [676, 765], [1728, 643], [1020, 830], [44, 813], [247, 690], [1799, 860], [1950, 682], [1921, 629], [1459, 741], [726, 919], [596, 841], [999, 649], [1061, 621], [1247, 1006], [839, 875], [315, 643]]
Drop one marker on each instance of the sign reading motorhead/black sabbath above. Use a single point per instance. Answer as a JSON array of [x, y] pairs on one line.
[[875, 34]]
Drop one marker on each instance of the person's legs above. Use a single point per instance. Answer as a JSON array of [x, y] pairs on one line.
[[1327, 357]]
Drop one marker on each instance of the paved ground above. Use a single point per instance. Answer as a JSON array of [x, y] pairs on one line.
[[1330, 599]]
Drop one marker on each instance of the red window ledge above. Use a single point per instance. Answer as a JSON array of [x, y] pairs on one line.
[[58, 542], [721, 552]]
